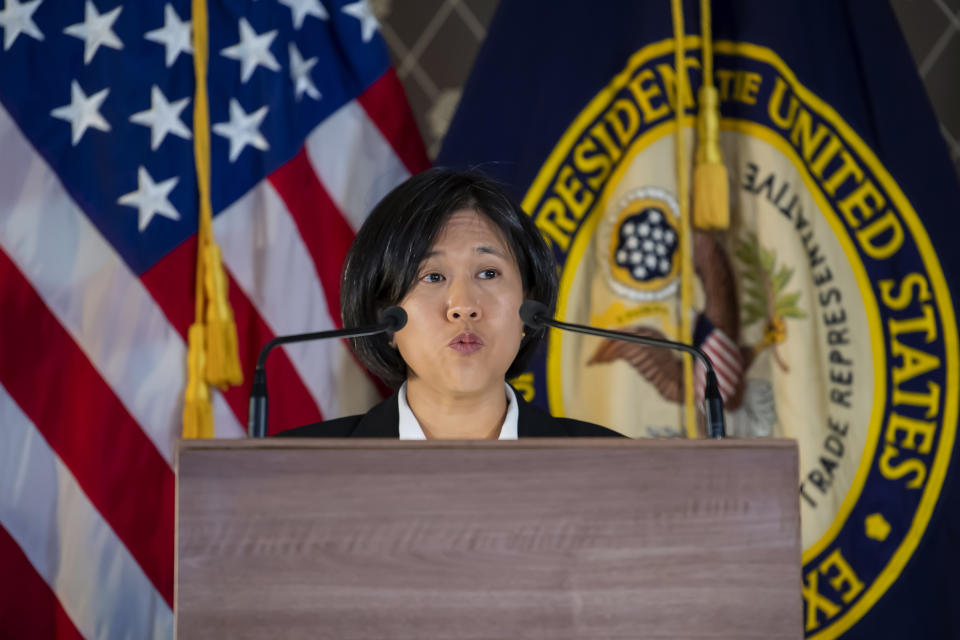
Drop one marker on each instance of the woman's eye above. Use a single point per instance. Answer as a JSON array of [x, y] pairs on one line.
[[489, 274], [431, 277]]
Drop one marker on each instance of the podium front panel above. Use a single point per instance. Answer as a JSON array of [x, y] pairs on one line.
[[551, 538]]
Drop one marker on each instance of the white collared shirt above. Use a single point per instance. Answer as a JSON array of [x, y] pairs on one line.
[[410, 429]]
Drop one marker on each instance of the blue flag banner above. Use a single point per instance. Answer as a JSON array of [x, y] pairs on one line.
[[826, 303]]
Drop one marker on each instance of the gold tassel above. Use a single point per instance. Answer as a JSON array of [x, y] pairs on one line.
[[223, 359], [711, 207], [197, 408], [212, 356]]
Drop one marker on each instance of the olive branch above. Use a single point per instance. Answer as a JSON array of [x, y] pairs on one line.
[[764, 287]]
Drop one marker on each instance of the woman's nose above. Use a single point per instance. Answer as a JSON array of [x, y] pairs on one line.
[[462, 302]]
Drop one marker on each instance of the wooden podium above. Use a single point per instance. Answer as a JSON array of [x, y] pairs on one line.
[[536, 538]]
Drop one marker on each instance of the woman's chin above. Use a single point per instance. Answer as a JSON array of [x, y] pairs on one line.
[[467, 383], [458, 376], [467, 387]]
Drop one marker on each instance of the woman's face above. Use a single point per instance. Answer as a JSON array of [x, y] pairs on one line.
[[463, 329]]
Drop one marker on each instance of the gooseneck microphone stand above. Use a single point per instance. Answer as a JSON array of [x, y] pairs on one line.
[[391, 319], [536, 315]]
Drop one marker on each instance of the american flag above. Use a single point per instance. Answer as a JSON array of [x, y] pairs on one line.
[[98, 222]]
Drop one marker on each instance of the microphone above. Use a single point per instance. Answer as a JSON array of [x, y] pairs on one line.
[[391, 319], [536, 316]]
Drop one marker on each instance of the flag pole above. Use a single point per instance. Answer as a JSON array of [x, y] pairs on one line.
[[683, 197]]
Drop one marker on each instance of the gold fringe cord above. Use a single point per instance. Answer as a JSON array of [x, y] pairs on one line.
[[197, 409], [223, 361]]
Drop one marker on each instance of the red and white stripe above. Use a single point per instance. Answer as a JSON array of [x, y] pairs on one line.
[[99, 585], [727, 361], [92, 363]]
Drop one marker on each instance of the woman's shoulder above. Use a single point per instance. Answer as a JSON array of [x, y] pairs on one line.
[[534, 422], [380, 422], [336, 428], [581, 429]]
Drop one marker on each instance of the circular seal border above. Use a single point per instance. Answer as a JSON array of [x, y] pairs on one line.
[[940, 463]]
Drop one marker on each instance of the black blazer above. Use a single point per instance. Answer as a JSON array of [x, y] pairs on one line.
[[383, 421]]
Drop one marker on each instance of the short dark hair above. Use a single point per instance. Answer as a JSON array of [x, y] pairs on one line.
[[383, 261]]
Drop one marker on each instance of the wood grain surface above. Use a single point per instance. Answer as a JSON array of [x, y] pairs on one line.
[[583, 538]]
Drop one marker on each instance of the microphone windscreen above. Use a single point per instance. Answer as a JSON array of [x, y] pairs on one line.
[[531, 313], [395, 316]]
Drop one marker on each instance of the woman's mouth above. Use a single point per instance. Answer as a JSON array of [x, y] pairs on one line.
[[466, 343]]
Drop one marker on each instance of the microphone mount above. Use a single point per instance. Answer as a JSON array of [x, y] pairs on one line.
[[392, 319], [536, 316]]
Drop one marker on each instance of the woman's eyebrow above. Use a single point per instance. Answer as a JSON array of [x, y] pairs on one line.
[[486, 248], [482, 249]]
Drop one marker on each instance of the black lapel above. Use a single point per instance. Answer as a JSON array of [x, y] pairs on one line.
[[534, 422], [383, 421]]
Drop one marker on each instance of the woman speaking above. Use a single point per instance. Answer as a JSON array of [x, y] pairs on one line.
[[459, 256]]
